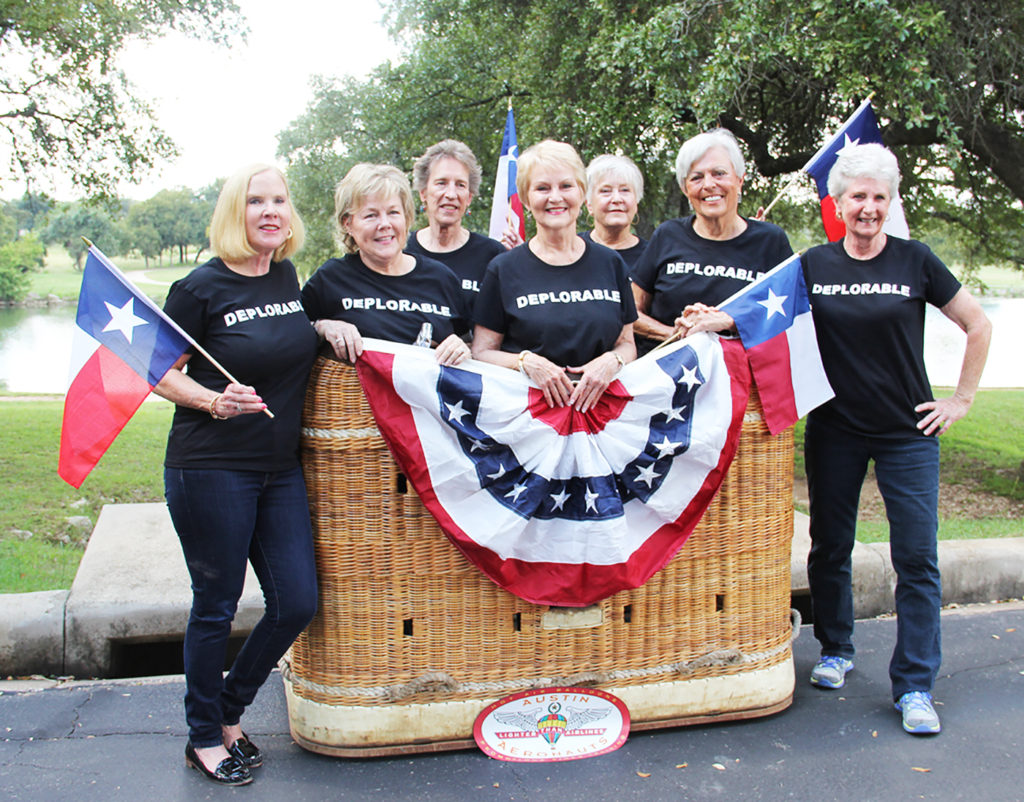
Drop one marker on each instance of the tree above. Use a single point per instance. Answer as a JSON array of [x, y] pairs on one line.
[[18, 257], [64, 107], [69, 222], [170, 219], [640, 76]]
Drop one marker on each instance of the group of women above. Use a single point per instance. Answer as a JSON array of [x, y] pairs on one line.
[[568, 311]]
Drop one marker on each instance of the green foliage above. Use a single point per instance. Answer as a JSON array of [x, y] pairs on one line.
[[640, 76], [69, 222], [64, 108], [18, 259], [171, 219]]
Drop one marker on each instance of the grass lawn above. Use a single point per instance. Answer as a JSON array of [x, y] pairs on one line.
[[59, 276], [985, 450], [34, 499]]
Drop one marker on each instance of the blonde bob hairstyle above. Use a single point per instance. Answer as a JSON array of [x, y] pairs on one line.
[[227, 226], [614, 168], [360, 184], [446, 149], [549, 154]]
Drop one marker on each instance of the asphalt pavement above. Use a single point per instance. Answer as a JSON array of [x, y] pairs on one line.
[[125, 739]]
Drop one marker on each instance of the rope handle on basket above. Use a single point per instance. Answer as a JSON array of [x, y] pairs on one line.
[[434, 681]]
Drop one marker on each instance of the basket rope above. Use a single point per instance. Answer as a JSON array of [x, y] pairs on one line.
[[435, 681], [340, 434]]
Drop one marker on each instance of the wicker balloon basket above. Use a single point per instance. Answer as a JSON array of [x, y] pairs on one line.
[[411, 641]]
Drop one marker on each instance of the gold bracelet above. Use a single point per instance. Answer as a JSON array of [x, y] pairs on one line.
[[618, 356], [522, 361], [213, 405]]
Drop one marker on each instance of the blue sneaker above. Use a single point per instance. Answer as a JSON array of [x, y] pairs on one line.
[[919, 716], [830, 671]]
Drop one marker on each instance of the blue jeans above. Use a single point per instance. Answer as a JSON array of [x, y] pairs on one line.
[[225, 518], [907, 471]]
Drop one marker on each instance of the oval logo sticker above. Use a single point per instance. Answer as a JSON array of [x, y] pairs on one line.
[[552, 724]]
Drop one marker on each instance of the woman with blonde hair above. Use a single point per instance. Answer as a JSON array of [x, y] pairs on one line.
[[376, 289], [556, 307], [233, 482]]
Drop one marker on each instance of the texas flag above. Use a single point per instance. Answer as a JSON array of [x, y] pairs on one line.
[[555, 506], [860, 129], [124, 345], [773, 317], [506, 208]]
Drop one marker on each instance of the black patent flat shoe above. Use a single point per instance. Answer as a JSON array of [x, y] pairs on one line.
[[230, 771], [247, 753]]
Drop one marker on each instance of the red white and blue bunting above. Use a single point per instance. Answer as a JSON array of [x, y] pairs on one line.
[[557, 507]]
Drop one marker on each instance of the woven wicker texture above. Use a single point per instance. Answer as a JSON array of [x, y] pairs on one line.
[[398, 601]]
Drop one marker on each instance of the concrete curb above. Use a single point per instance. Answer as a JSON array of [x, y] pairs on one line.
[[132, 587]]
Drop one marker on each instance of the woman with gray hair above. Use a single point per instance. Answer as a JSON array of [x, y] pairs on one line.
[[378, 290], [615, 188], [868, 294], [447, 177], [703, 259]]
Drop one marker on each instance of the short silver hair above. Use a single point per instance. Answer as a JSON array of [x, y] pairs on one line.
[[695, 147], [871, 160], [450, 149], [610, 166]]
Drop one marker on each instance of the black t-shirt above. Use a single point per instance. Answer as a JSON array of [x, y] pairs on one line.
[[468, 262], [567, 313], [869, 318], [629, 255], [679, 267], [255, 327], [387, 307]]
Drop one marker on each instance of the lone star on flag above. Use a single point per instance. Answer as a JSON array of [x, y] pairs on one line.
[[773, 303], [124, 319], [847, 143]]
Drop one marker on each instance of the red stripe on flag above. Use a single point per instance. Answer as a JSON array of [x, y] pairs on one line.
[[102, 398], [770, 362], [835, 229]]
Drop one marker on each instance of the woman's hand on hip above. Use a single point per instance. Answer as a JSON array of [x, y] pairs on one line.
[[942, 413]]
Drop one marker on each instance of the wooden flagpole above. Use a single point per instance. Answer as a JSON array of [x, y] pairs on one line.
[[181, 331]]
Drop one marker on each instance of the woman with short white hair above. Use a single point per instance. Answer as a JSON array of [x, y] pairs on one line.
[[701, 260], [868, 294], [615, 187]]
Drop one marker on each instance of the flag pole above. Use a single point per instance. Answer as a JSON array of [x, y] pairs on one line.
[[786, 187], [180, 330]]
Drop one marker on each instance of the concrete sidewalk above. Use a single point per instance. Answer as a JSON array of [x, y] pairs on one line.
[[132, 591], [124, 740]]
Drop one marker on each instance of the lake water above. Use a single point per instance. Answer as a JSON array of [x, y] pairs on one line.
[[35, 347]]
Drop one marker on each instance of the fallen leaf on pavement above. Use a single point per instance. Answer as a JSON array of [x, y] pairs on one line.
[[643, 774]]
